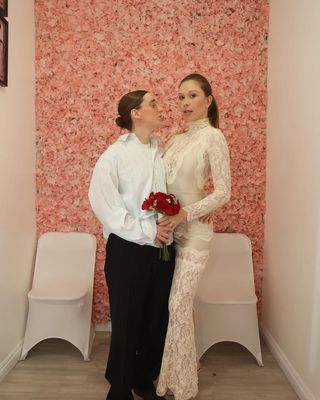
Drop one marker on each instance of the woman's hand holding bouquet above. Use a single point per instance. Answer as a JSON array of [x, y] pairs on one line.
[[168, 205]]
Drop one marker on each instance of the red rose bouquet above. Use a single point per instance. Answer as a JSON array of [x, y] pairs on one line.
[[166, 204]]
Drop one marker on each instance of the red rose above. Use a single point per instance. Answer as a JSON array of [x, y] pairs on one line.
[[163, 202], [174, 205], [148, 204]]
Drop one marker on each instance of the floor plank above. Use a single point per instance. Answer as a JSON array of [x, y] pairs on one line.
[[54, 369]]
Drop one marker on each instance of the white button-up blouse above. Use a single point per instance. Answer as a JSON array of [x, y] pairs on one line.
[[125, 174]]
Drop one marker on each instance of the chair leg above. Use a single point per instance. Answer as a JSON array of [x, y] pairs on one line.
[[87, 352], [24, 354], [259, 359]]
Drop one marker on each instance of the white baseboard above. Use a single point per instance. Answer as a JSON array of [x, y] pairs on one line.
[[103, 327], [10, 361], [293, 377]]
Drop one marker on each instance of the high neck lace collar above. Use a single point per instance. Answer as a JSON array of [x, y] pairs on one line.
[[195, 126]]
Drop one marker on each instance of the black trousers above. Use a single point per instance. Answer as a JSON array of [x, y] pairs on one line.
[[139, 287]]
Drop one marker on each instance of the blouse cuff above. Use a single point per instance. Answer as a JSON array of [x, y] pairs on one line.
[[149, 228]]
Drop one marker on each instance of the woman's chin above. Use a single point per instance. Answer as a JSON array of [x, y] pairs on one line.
[[188, 117]]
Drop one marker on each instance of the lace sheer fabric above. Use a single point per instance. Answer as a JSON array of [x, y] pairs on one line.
[[179, 368], [195, 156], [190, 160]]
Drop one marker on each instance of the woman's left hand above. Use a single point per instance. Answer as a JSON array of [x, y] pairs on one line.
[[173, 221], [206, 219]]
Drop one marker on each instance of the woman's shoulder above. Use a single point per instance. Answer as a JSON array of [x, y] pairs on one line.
[[171, 140], [211, 130], [213, 134], [111, 153]]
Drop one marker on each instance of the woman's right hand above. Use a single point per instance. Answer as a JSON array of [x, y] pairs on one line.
[[173, 221], [163, 234]]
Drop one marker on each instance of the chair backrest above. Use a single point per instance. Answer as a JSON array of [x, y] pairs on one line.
[[64, 256], [228, 277]]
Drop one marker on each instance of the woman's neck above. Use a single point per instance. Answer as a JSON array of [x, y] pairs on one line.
[[199, 121], [195, 126], [142, 133]]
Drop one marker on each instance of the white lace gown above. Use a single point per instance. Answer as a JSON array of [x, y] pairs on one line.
[[190, 159]]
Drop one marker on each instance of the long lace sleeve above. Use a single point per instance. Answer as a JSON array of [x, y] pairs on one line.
[[219, 161]]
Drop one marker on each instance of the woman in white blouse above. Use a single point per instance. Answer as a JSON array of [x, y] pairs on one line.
[[190, 159], [138, 282]]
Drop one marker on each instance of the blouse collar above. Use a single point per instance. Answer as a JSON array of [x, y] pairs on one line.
[[195, 126], [154, 140]]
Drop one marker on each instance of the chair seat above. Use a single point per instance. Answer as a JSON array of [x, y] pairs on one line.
[[233, 294], [57, 291]]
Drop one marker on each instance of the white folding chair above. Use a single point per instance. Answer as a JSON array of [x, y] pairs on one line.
[[60, 301], [225, 304]]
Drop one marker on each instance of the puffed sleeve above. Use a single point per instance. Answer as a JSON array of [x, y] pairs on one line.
[[219, 160], [109, 207]]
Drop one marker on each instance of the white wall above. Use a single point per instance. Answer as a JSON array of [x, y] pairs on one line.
[[17, 182], [291, 313]]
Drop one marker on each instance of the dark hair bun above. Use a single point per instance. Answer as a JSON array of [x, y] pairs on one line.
[[119, 122]]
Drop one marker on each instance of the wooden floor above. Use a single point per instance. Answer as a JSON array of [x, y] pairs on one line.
[[55, 370]]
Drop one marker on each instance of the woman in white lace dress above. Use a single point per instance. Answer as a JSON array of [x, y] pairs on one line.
[[191, 159]]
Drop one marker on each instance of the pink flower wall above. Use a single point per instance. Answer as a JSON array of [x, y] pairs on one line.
[[90, 52]]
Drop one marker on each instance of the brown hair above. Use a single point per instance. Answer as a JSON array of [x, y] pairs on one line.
[[128, 102], [213, 112]]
